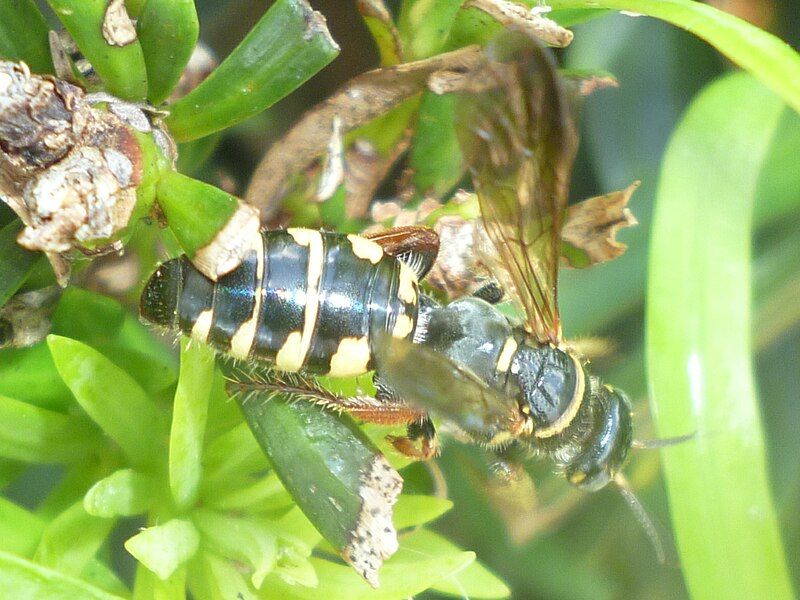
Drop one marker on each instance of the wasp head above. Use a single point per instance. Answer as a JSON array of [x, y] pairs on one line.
[[605, 447]]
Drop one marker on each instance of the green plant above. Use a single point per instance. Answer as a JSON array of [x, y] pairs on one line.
[[142, 440]]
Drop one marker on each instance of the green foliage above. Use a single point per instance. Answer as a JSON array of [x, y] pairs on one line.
[[699, 361], [101, 426]]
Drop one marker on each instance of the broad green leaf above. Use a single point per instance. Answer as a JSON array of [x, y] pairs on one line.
[[265, 494], [123, 493], [121, 67], [698, 344], [287, 46], [32, 434], [20, 578], [16, 263], [23, 35], [71, 540], [764, 55], [189, 415], [111, 398], [168, 31], [164, 548]]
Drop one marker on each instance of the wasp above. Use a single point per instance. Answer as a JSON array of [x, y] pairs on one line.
[[342, 305]]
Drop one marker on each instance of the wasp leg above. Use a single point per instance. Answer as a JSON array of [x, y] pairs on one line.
[[420, 442], [415, 246]]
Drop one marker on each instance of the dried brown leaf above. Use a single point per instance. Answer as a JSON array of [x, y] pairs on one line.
[[529, 20], [361, 100], [592, 225]]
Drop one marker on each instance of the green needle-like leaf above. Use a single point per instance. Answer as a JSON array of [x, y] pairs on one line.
[[189, 414], [23, 35], [123, 493], [32, 434], [436, 157], [767, 57], [286, 47], [111, 398], [168, 31], [698, 344], [164, 548], [414, 510], [425, 24], [71, 540], [20, 529], [121, 67], [20, 578]]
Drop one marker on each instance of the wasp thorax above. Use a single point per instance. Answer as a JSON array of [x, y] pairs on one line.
[[604, 449], [161, 294], [551, 387]]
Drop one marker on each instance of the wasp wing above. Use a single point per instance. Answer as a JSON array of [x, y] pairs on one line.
[[519, 141], [432, 382]]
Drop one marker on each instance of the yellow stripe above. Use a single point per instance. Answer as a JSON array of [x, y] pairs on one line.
[[407, 290], [293, 353], [366, 249], [351, 357], [242, 340], [202, 326], [506, 354]]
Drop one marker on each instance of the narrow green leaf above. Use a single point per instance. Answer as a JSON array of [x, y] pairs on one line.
[[32, 434], [475, 581], [121, 494], [71, 540], [29, 374], [342, 480], [286, 47], [414, 510], [16, 263], [264, 495], [164, 548], [406, 574], [111, 398], [20, 529], [23, 35], [20, 578], [99, 574], [189, 414], [121, 67], [425, 24], [765, 56], [195, 211], [168, 31], [242, 539], [214, 578], [698, 344]]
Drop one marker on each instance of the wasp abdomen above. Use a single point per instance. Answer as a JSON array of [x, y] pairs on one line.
[[301, 299]]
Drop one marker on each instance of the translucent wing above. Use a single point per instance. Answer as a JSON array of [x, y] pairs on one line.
[[432, 382], [519, 141]]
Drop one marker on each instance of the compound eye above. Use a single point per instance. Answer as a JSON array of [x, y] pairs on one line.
[[6, 333]]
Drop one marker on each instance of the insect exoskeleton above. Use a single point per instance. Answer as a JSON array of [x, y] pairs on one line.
[[301, 299]]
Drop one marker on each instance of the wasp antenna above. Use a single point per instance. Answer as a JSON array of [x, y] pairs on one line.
[[662, 442], [641, 515]]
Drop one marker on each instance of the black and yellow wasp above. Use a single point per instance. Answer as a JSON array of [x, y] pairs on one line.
[[341, 305]]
